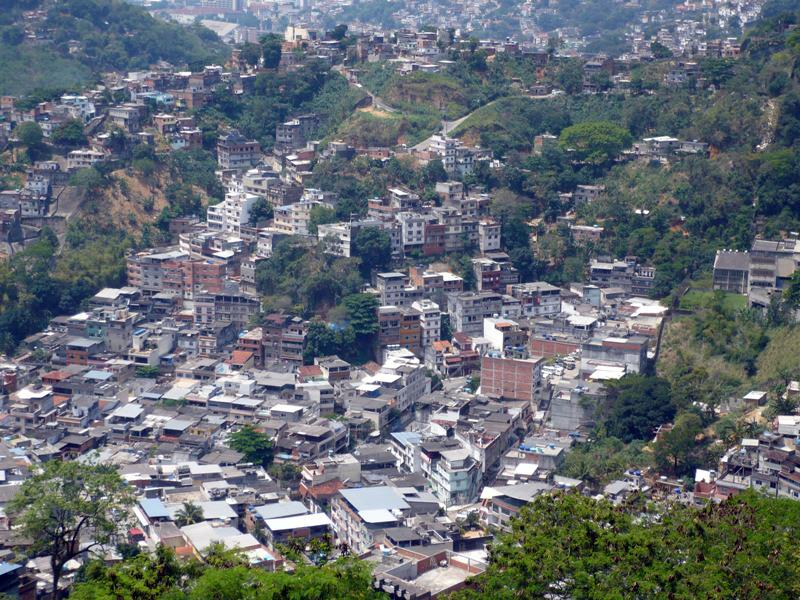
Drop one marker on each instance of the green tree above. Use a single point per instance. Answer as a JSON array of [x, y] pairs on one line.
[[570, 76], [12, 36], [595, 142], [676, 450], [660, 51], [271, 50], [147, 372], [89, 178], [284, 472], [155, 576], [602, 460], [188, 514], [791, 294], [29, 134], [434, 172], [251, 53], [362, 313], [69, 133], [256, 446], [65, 501], [339, 32], [320, 215], [636, 405], [260, 211], [320, 341], [374, 247], [570, 546]]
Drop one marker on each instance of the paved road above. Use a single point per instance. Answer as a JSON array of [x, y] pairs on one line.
[[377, 102], [449, 126], [446, 127]]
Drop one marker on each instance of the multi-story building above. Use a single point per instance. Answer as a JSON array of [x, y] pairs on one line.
[[455, 477], [505, 336], [403, 200], [450, 191], [233, 213], [228, 305], [78, 107], [430, 321], [83, 159], [457, 159], [295, 133], [537, 299], [234, 151], [413, 229], [293, 219], [488, 235], [361, 516], [410, 334], [126, 116], [494, 273], [732, 271], [510, 379], [267, 185], [626, 274], [584, 194], [156, 271], [436, 284], [773, 262], [392, 287], [207, 275], [615, 356], [388, 326], [469, 309], [283, 338]]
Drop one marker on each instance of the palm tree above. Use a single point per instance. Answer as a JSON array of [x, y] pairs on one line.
[[189, 514]]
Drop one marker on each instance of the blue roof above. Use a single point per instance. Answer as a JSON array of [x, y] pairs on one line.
[[407, 437], [373, 498], [281, 509], [100, 375], [7, 567], [154, 508]]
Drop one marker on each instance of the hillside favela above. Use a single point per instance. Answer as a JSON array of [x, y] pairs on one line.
[[399, 299]]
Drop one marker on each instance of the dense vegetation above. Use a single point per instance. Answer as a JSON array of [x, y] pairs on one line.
[[224, 576], [111, 34], [570, 546], [44, 280], [565, 545], [276, 97]]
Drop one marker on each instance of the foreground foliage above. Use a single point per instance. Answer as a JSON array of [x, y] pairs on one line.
[[66, 502], [161, 576], [569, 546]]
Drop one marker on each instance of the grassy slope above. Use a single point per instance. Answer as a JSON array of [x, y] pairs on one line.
[[507, 116], [25, 68]]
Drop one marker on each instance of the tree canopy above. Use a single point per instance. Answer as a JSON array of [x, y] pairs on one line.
[[256, 446], [66, 503], [222, 576], [570, 546], [637, 404], [596, 142]]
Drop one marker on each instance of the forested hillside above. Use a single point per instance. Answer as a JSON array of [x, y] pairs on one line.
[[46, 44]]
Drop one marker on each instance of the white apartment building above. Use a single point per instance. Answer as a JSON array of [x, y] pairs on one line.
[[413, 229], [83, 159], [338, 238], [232, 213], [78, 107], [430, 320], [293, 219], [488, 235]]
